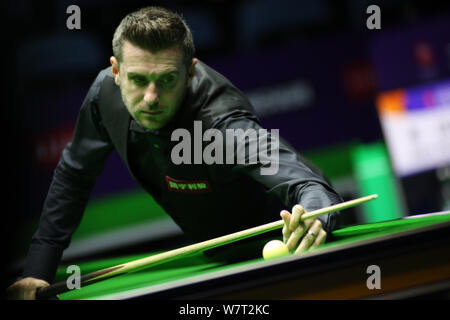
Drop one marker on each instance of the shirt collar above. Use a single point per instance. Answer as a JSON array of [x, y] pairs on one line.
[[166, 131], [136, 127]]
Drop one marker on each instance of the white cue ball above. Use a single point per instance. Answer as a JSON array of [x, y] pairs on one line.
[[274, 249]]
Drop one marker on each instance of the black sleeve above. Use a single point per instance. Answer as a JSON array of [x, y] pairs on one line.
[[82, 160], [296, 180]]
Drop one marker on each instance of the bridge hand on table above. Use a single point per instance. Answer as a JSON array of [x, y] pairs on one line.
[[301, 235]]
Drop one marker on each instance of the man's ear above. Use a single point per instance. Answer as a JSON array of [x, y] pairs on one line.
[[191, 71], [115, 69]]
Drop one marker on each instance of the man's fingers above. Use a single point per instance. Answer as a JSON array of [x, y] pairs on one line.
[[295, 237], [25, 289], [286, 216], [29, 294], [297, 212], [309, 237], [321, 237]]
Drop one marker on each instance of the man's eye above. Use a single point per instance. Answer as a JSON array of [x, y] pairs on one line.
[[169, 80], [140, 81]]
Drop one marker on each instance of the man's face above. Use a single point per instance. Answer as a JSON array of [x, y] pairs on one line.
[[153, 85]]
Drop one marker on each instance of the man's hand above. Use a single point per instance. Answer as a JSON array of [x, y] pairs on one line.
[[25, 289], [309, 231]]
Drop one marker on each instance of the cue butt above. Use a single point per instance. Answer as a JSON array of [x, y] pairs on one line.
[[53, 290]]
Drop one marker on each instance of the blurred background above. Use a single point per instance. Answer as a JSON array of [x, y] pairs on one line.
[[369, 107]]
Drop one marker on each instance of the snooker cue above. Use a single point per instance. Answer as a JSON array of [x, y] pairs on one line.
[[139, 264]]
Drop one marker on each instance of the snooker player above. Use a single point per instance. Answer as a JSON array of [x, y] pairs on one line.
[[155, 86]]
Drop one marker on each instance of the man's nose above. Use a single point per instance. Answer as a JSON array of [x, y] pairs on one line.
[[151, 94]]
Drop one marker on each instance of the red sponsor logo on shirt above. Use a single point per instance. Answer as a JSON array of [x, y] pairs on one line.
[[193, 186]]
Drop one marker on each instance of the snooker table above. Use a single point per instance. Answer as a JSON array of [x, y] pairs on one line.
[[413, 255]]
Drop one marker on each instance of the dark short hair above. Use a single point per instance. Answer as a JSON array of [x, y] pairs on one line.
[[154, 29]]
